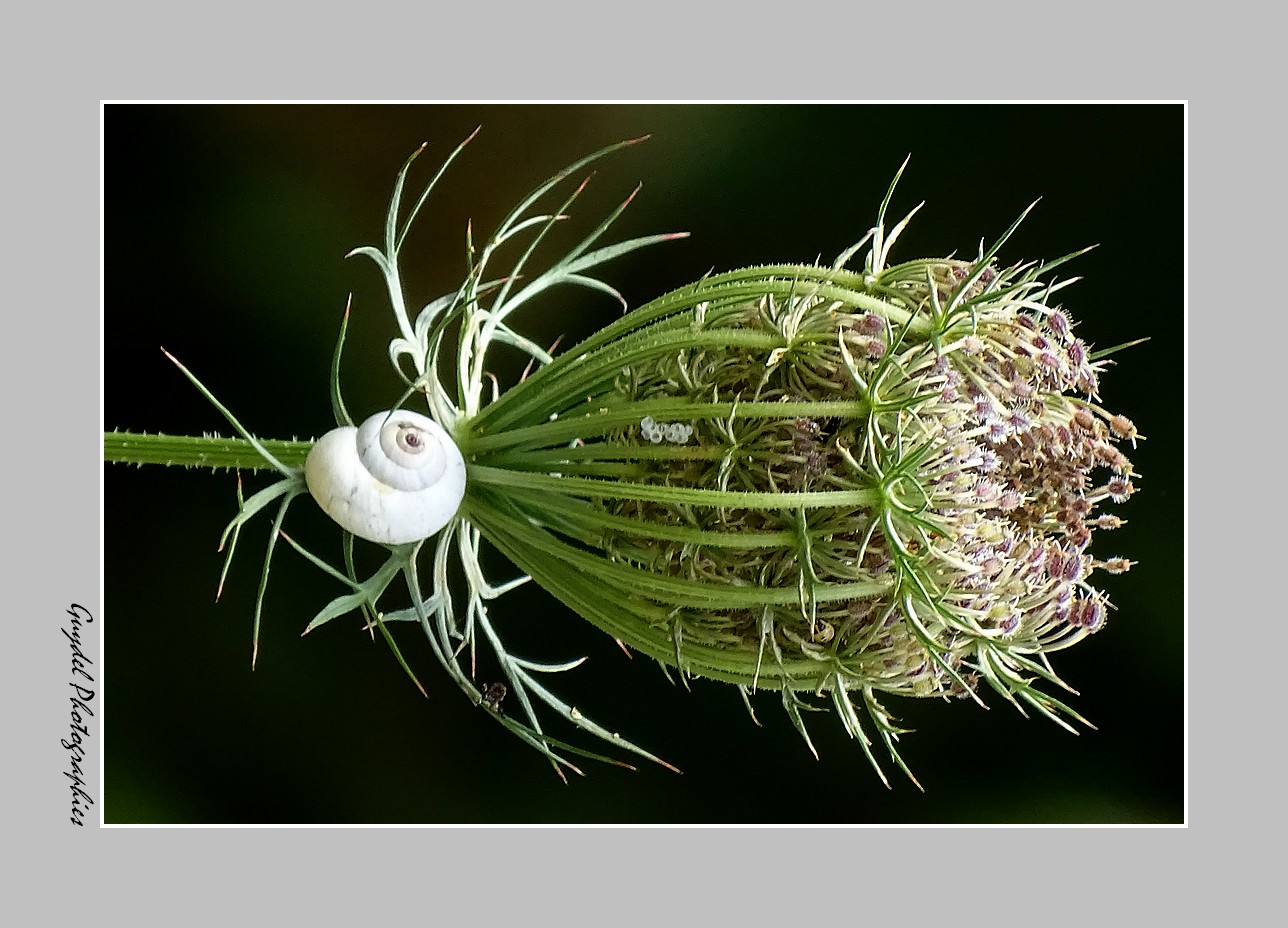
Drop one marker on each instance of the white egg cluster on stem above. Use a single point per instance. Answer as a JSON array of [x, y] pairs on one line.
[[657, 432]]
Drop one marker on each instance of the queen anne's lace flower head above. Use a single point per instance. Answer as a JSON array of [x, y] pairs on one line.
[[887, 481]]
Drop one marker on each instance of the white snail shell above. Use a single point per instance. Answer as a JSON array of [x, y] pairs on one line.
[[396, 478]]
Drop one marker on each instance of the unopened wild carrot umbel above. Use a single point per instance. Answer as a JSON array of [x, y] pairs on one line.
[[838, 484]]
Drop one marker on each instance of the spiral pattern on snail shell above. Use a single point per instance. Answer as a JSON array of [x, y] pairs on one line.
[[396, 478]]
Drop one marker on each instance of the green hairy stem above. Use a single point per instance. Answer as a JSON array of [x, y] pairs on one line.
[[203, 451]]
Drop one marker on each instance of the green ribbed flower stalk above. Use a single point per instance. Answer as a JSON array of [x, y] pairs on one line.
[[836, 484]]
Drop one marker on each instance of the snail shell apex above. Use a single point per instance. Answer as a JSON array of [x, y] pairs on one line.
[[394, 479]]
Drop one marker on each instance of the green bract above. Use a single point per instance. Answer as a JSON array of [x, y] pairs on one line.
[[834, 483]]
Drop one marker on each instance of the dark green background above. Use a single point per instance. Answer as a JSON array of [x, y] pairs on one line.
[[225, 229]]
